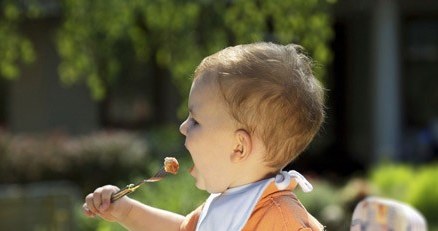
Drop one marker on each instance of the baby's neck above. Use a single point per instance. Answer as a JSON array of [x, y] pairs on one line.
[[247, 175]]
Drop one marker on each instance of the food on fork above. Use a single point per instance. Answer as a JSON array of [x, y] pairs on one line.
[[171, 165]]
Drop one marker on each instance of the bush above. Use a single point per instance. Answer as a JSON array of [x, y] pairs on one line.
[[424, 194], [414, 185], [91, 160], [395, 181], [105, 157]]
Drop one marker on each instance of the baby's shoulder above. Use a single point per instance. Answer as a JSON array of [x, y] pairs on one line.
[[281, 211], [282, 203]]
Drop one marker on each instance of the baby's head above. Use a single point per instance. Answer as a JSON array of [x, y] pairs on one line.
[[271, 92]]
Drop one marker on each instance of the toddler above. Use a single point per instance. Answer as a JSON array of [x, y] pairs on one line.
[[252, 110]]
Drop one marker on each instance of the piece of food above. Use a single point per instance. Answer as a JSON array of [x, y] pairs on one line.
[[171, 165]]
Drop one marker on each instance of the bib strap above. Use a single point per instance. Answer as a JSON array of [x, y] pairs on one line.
[[282, 180]]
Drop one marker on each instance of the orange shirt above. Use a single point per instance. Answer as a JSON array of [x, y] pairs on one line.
[[277, 210]]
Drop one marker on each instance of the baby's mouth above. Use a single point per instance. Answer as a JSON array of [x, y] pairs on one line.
[[193, 171]]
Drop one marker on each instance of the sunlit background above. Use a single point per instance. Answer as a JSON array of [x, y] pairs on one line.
[[92, 93]]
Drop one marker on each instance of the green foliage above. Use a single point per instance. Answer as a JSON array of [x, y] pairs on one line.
[[165, 141], [14, 46], [424, 194], [414, 185], [97, 37], [393, 180]]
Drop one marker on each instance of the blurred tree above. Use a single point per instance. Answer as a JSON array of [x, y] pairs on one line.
[[14, 47], [173, 35]]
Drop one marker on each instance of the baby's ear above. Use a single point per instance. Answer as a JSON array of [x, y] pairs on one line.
[[243, 147]]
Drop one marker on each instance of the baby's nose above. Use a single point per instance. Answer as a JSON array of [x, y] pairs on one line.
[[183, 127]]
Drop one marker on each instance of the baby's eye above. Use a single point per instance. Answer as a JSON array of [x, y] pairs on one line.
[[193, 122]]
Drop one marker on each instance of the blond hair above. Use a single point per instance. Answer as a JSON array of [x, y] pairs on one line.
[[271, 92]]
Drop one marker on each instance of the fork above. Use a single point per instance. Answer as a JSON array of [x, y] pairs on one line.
[[130, 188]]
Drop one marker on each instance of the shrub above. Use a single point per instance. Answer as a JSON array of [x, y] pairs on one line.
[[90, 160], [414, 185], [393, 180], [424, 193]]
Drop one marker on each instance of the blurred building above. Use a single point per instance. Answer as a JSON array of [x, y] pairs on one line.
[[383, 86], [384, 81]]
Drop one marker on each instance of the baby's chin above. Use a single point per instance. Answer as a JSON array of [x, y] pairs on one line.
[[213, 191], [209, 189], [192, 171], [201, 184]]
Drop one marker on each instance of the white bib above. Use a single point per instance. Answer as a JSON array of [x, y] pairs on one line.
[[231, 209]]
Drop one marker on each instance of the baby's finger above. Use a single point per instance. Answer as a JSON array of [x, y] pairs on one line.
[[89, 202], [87, 211], [107, 192], [97, 198]]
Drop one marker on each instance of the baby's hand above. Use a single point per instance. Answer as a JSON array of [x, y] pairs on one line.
[[99, 203]]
